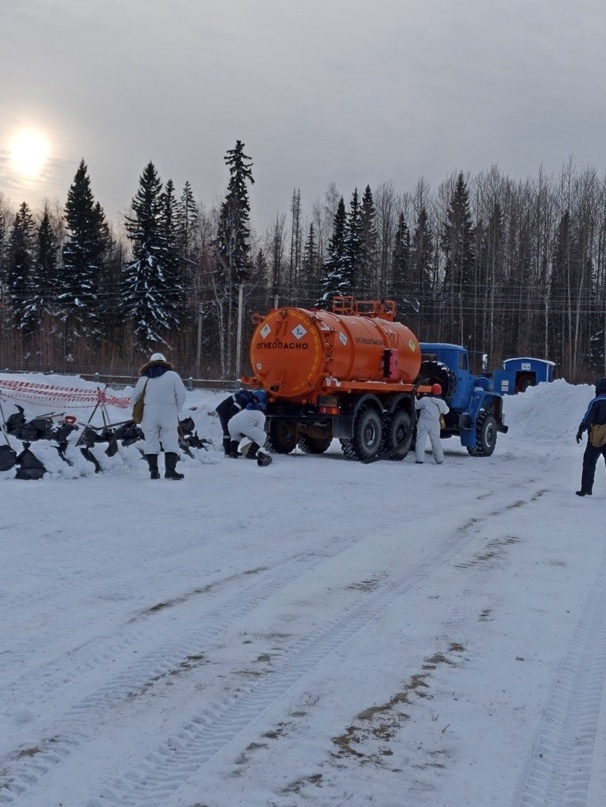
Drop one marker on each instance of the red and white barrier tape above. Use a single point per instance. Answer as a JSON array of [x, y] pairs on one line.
[[44, 394]]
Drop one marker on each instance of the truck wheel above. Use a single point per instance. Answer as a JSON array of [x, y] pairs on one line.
[[283, 436], [368, 432], [348, 449], [486, 436], [314, 445], [397, 435]]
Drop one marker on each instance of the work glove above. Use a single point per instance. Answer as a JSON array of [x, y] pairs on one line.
[[579, 436]]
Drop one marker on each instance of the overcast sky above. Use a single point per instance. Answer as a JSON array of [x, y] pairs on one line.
[[353, 92]]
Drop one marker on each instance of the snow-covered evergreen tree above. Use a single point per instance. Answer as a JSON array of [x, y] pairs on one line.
[[187, 219], [232, 251], [458, 247], [42, 290], [147, 279], [232, 245], [310, 268], [352, 248], [334, 270], [367, 274], [401, 288], [83, 252], [174, 266], [20, 266]]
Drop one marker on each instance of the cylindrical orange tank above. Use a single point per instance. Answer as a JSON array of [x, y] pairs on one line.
[[296, 353]]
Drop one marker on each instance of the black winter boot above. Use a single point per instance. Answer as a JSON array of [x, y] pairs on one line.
[[170, 466], [152, 461], [251, 454], [263, 458], [226, 442], [233, 449]]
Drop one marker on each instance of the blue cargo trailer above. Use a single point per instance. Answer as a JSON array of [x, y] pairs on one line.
[[519, 374]]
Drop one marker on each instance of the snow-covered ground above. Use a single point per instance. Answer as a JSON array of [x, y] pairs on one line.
[[317, 632]]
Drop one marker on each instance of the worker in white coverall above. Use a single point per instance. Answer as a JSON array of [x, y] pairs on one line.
[[429, 408], [250, 422], [164, 396]]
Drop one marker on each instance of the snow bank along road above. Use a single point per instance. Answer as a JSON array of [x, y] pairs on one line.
[[318, 632]]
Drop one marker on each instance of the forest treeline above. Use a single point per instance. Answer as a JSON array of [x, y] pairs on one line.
[[507, 268]]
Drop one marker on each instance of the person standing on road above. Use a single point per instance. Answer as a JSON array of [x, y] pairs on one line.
[[429, 408], [594, 416], [164, 397], [250, 422]]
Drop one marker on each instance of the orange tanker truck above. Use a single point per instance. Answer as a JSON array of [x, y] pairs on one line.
[[349, 373]]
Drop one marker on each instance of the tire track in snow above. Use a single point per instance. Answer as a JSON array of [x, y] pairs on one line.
[[135, 635], [565, 756], [202, 736], [163, 772]]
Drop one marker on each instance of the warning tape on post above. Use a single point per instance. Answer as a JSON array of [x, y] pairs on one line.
[[29, 392]]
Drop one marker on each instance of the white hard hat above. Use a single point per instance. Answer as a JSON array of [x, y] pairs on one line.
[[157, 357]]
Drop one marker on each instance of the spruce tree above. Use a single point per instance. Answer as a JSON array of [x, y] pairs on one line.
[[422, 259], [367, 282], [175, 300], [232, 251], [83, 254], [232, 245], [458, 248], [334, 270], [402, 287], [20, 267], [352, 249], [187, 241], [311, 267], [147, 283], [187, 221], [42, 291]]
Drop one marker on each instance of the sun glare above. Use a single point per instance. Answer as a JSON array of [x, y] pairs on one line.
[[29, 151]]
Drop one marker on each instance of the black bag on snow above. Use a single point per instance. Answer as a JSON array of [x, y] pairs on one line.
[[8, 458], [30, 466], [37, 429], [15, 422], [129, 433]]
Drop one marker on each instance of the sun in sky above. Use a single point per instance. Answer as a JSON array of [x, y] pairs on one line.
[[29, 151]]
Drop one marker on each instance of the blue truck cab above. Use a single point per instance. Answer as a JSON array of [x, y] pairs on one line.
[[476, 410]]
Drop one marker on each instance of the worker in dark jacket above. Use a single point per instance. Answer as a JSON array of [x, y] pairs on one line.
[[595, 415], [250, 423], [229, 407]]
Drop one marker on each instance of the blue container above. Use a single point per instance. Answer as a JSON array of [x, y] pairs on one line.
[[519, 374]]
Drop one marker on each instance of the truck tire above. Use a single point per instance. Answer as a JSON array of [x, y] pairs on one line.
[[348, 449], [282, 436], [368, 434], [314, 445], [397, 435], [435, 372], [486, 436]]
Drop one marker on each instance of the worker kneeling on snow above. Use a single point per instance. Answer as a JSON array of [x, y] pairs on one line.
[[250, 422]]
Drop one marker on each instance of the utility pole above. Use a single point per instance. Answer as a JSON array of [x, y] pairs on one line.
[[199, 344], [239, 332]]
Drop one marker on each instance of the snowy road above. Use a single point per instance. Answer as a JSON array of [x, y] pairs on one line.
[[316, 632]]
